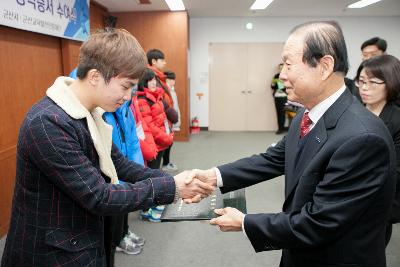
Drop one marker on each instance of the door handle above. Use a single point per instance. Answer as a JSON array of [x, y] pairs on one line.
[[243, 92], [249, 91]]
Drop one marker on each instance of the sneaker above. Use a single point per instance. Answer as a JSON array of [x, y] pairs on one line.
[[151, 215], [169, 167], [159, 208], [128, 247], [135, 238]]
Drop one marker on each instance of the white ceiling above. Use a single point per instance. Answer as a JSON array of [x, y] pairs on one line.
[[278, 8]]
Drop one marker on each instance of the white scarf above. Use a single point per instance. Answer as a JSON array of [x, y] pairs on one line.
[[100, 131]]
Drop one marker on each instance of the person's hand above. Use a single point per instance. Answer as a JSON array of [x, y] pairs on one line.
[[207, 176], [230, 220], [194, 191]]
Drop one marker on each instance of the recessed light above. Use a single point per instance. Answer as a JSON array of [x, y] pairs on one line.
[[363, 3], [175, 5], [260, 4], [249, 25]]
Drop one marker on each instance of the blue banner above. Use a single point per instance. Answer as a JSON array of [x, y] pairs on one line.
[[63, 18]]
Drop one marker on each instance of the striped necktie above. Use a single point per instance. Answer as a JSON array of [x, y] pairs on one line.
[[305, 125]]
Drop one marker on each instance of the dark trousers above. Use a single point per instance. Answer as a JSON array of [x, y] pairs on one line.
[[167, 151], [280, 111], [115, 228], [389, 228], [156, 163]]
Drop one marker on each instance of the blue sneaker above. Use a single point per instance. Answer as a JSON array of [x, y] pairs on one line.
[[151, 215], [159, 208]]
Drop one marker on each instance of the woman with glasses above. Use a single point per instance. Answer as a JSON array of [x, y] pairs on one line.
[[378, 80]]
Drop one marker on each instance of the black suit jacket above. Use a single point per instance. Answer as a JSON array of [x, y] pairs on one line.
[[61, 195], [391, 117], [338, 195]]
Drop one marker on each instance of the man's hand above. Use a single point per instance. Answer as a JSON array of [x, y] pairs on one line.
[[194, 191], [207, 176], [230, 220]]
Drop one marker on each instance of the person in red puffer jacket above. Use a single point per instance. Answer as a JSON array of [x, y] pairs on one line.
[[147, 144], [151, 108], [157, 63]]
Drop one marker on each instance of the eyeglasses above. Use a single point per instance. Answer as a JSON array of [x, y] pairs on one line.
[[362, 83]]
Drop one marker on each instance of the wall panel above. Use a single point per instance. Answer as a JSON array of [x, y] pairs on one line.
[[7, 170], [70, 55], [97, 15]]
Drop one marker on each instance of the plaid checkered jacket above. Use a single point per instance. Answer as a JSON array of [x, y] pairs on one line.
[[61, 195]]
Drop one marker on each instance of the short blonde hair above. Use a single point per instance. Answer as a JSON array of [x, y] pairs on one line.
[[113, 52]]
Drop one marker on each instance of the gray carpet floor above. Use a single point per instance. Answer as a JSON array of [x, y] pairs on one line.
[[200, 244]]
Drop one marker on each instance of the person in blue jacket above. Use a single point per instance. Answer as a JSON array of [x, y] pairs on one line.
[[124, 136]]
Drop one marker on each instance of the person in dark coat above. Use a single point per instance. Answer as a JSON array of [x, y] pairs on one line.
[[379, 85], [373, 47], [68, 170], [370, 48], [338, 162], [280, 99]]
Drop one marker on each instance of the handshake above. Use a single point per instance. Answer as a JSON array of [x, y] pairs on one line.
[[194, 185]]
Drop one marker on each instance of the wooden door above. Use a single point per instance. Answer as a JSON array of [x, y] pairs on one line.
[[228, 81], [240, 92], [263, 59]]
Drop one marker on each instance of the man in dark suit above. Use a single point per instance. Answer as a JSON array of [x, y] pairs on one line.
[[338, 160], [370, 48], [68, 170]]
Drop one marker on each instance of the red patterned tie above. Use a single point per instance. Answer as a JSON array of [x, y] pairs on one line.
[[305, 125]]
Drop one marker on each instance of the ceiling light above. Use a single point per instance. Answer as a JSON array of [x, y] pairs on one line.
[[175, 5], [260, 4], [249, 25], [363, 3]]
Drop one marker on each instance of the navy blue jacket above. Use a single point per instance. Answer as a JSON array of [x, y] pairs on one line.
[[61, 196], [338, 193]]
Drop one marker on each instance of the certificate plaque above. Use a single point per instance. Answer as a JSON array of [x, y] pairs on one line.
[[204, 210]]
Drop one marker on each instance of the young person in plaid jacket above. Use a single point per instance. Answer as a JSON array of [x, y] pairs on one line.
[[68, 169]]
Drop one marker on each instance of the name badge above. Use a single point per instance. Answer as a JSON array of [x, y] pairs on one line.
[[166, 125], [140, 131]]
